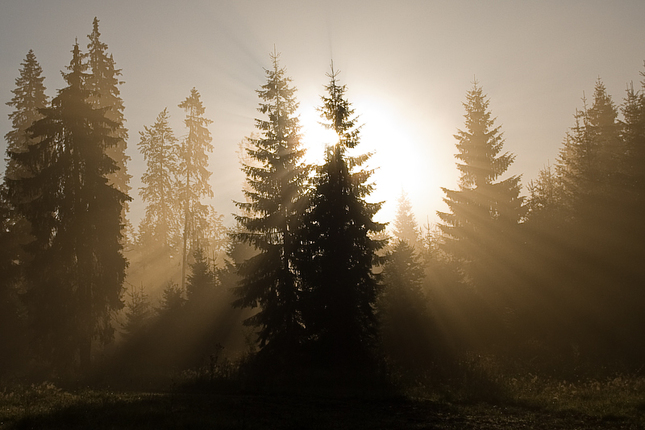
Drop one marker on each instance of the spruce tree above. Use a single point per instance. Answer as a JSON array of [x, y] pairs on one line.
[[77, 268], [603, 254], [172, 301], [202, 280], [137, 313], [338, 251], [405, 224], [27, 102], [193, 173], [545, 197], [28, 99], [589, 161], [160, 225], [103, 85], [484, 211], [270, 217], [591, 169]]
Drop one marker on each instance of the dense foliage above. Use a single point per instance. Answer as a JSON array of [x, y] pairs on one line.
[[338, 252], [76, 271], [270, 216]]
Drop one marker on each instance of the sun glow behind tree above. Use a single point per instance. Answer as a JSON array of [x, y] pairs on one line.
[[315, 137], [403, 160]]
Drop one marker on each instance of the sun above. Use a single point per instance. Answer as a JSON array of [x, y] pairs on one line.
[[315, 137], [404, 158]]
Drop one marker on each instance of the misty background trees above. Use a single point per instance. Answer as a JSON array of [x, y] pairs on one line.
[[549, 280], [74, 277]]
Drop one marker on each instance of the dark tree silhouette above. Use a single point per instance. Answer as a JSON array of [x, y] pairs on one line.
[[103, 86], [338, 252], [27, 101], [270, 217], [406, 322], [13, 231], [138, 313], [77, 268]]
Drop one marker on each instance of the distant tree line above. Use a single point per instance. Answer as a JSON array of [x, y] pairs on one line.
[[550, 280], [553, 278]]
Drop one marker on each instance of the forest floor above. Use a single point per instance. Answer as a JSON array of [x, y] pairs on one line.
[[47, 407]]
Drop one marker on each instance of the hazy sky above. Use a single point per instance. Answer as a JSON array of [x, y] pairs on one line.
[[407, 65]]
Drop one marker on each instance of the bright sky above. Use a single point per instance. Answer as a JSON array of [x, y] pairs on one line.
[[407, 65]]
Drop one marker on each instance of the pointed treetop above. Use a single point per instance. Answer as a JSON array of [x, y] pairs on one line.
[[28, 99], [480, 143], [77, 68], [193, 103], [338, 111], [405, 224], [95, 44], [275, 56], [29, 85]]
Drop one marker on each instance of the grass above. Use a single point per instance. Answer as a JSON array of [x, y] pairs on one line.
[[529, 402], [614, 397]]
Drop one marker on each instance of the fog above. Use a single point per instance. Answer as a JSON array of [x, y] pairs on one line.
[[413, 197]]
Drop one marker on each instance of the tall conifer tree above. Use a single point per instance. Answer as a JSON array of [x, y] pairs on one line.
[[591, 169], [103, 85], [269, 221], [160, 225], [28, 99], [484, 211], [76, 273], [589, 161], [603, 256], [193, 173], [338, 251]]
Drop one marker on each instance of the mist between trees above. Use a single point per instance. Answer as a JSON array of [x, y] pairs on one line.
[[307, 282]]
